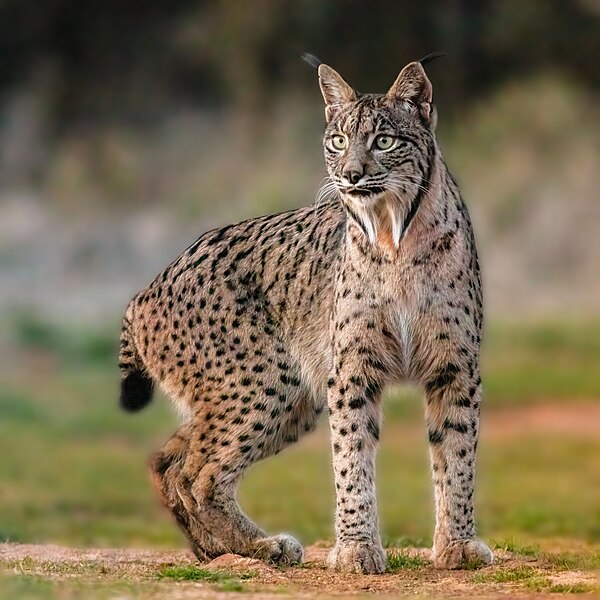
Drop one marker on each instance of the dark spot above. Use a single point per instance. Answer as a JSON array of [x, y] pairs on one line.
[[443, 378], [435, 436], [459, 427], [356, 403]]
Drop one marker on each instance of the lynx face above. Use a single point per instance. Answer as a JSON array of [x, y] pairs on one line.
[[373, 147], [378, 148]]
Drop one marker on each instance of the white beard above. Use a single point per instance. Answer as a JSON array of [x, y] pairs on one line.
[[387, 212]]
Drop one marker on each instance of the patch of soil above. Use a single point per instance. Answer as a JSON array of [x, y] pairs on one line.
[[310, 580], [570, 419]]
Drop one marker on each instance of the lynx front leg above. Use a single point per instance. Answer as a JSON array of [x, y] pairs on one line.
[[354, 416], [452, 415]]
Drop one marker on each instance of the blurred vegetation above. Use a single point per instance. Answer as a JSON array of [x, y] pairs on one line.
[[131, 59], [117, 103]]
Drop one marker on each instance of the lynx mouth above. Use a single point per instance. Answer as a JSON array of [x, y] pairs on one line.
[[363, 192], [362, 196]]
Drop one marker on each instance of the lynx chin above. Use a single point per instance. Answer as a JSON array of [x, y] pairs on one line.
[[259, 327]]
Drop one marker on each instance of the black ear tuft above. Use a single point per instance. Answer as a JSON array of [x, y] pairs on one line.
[[311, 59], [431, 56]]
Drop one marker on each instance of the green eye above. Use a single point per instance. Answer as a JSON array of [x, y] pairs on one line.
[[338, 142], [384, 142]]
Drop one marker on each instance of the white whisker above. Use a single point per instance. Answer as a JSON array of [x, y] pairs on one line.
[[326, 191]]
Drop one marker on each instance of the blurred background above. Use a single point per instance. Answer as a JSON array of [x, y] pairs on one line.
[[127, 128]]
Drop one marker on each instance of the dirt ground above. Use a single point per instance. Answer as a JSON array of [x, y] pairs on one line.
[[128, 574], [311, 580], [548, 418]]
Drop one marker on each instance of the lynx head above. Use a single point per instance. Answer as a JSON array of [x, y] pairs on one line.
[[379, 147]]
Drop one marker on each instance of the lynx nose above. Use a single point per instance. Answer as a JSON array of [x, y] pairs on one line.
[[353, 174]]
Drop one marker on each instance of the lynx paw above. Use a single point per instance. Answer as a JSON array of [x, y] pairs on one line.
[[281, 549], [462, 553], [357, 557]]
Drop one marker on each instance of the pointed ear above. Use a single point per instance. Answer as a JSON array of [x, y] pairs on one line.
[[334, 89], [413, 85]]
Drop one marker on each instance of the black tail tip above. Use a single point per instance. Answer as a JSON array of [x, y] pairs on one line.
[[136, 391]]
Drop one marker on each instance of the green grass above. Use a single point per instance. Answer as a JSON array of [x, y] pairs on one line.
[[192, 573], [39, 587], [25, 565], [62, 582], [569, 561], [515, 546], [226, 581], [532, 579], [402, 560], [566, 588], [537, 362], [406, 541], [73, 346], [515, 575], [28, 587]]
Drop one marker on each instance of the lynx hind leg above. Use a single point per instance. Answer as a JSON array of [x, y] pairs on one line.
[[198, 471], [186, 477], [213, 491], [172, 487]]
